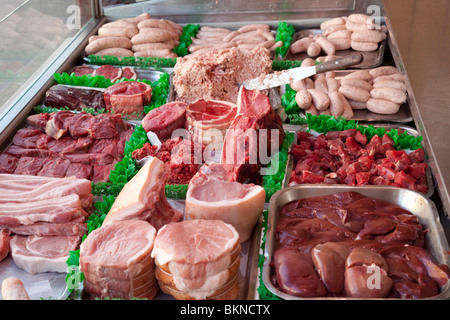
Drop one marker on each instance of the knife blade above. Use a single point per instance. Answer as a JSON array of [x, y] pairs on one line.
[[290, 75]]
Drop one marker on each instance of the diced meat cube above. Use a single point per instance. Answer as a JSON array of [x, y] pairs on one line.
[[405, 180], [311, 177], [416, 170], [386, 172], [362, 178], [387, 139], [361, 138], [417, 156]]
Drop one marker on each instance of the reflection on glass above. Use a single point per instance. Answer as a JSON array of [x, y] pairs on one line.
[[30, 34]]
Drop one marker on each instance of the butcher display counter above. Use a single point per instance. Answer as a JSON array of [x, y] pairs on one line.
[[415, 45]]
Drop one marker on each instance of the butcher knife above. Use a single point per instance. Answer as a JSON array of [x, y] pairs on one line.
[[295, 74]]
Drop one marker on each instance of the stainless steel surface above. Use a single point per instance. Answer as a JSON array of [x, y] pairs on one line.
[[372, 59], [419, 43], [420, 206]]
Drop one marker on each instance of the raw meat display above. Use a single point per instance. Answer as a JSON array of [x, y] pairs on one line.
[[182, 157], [143, 197], [241, 148], [116, 263], [165, 119], [325, 245], [346, 157], [212, 196], [198, 259], [209, 120], [64, 144], [127, 97], [216, 74], [74, 98]]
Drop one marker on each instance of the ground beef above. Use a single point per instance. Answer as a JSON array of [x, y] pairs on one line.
[[216, 75]]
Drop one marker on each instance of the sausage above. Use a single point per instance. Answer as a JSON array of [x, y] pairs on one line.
[[154, 35], [359, 74], [391, 77], [368, 36], [357, 83], [320, 100], [327, 112], [382, 106], [301, 45], [340, 34], [150, 46], [390, 84], [168, 33], [93, 38], [117, 52], [118, 32], [383, 71], [332, 84], [359, 18], [357, 105], [341, 44], [326, 45], [356, 26], [303, 99], [268, 35], [139, 18], [298, 85], [159, 53], [215, 29], [364, 46], [391, 94], [312, 110], [172, 55], [347, 111], [336, 103], [354, 93], [108, 42], [331, 22], [308, 62], [153, 23], [230, 36], [321, 59], [175, 26], [255, 26], [13, 289], [276, 45], [119, 24], [334, 28], [314, 49], [321, 84]]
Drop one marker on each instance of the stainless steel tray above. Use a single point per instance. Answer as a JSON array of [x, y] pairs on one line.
[[372, 59], [400, 128], [420, 206]]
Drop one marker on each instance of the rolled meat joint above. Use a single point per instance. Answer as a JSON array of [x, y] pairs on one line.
[[197, 260], [127, 97], [116, 263], [13, 289], [212, 196]]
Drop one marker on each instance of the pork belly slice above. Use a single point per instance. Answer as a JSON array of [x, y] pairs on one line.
[[56, 210], [46, 189], [143, 197], [212, 196], [36, 254], [194, 241], [5, 239], [75, 227], [115, 255]]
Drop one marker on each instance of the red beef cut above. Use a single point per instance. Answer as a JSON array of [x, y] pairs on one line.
[[8, 163], [165, 119], [109, 72]]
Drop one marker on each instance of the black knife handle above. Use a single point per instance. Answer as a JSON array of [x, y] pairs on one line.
[[342, 63]]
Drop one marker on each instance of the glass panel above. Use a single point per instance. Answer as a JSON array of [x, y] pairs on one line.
[[220, 6], [31, 32]]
